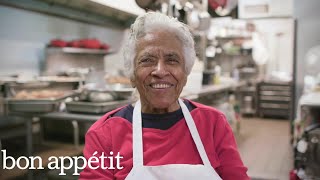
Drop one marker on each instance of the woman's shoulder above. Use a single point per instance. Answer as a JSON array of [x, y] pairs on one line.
[[205, 108], [104, 122], [205, 114]]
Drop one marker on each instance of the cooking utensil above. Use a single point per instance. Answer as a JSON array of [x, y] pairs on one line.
[[144, 4], [96, 96], [150, 4]]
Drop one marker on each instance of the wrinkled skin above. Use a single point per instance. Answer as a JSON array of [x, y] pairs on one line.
[[159, 73]]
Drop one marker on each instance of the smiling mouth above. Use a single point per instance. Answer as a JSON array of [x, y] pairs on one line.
[[160, 85]]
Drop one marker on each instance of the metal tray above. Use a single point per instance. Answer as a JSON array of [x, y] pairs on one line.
[[36, 105], [94, 107], [275, 93]]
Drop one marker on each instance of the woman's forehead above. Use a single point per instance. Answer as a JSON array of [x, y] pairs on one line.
[[160, 35], [155, 52], [159, 40]]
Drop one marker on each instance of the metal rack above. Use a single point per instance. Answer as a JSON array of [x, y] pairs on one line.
[[275, 99], [62, 60], [80, 50]]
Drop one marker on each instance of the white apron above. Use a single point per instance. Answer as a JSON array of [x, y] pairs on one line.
[[172, 171]]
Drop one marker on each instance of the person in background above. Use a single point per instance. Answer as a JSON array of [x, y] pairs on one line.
[[162, 136], [260, 52]]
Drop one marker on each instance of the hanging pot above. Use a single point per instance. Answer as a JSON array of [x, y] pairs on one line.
[[149, 4], [144, 4]]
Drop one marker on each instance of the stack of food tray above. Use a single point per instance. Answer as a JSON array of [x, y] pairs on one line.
[[94, 107], [100, 100], [26, 102]]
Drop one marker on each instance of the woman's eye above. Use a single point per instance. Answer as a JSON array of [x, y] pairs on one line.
[[146, 61], [173, 61]]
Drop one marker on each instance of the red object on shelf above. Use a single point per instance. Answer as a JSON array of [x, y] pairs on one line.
[[104, 46], [214, 4], [293, 175], [91, 43], [58, 43], [75, 43], [80, 43]]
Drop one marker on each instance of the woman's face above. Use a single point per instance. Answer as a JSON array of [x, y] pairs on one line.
[[159, 71]]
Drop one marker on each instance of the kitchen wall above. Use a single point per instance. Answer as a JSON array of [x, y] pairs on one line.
[[25, 34], [307, 36], [265, 8]]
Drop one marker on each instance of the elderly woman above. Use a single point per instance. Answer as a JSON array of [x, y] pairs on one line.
[[162, 136]]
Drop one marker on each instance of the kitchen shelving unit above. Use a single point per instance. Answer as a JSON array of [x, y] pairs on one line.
[[80, 50], [59, 60], [275, 99]]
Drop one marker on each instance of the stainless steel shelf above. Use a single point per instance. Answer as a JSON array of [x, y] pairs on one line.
[[275, 99], [232, 37], [80, 50]]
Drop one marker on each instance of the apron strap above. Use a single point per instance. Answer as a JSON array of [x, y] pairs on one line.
[[137, 140], [194, 133], [137, 135]]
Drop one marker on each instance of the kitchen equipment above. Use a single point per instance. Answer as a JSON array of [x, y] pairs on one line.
[[94, 107], [275, 99], [97, 96], [122, 91], [144, 4], [247, 73], [38, 96], [149, 4], [116, 91], [248, 99], [307, 152], [208, 76], [36, 105]]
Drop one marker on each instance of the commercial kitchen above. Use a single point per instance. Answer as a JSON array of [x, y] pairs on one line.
[[258, 62]]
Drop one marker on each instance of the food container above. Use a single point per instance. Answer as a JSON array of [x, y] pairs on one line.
[[105, 93], [94, 107], [58, 43], [32, 106], [122, 91], [43, 105]]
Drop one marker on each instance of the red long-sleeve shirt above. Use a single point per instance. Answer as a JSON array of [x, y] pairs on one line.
[[171, 146]]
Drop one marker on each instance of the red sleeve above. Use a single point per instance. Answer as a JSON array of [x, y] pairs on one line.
[[231, 166], [97, 142]]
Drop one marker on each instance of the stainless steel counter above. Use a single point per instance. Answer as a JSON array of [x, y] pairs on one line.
[[75, 118], [211, 89], [71, 116]]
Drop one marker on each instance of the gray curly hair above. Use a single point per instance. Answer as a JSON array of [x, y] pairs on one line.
[[153, 21]]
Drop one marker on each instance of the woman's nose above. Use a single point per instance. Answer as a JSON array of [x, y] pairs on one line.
[[160, 69]]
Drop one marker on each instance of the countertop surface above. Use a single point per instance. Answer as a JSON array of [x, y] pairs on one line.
[[213, 88], [205, 90]]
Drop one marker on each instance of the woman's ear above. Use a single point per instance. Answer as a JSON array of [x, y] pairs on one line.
[[133, 82], [185, 79]]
